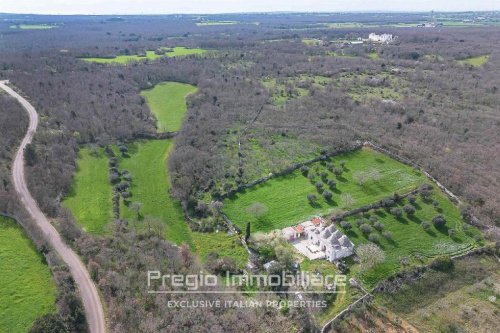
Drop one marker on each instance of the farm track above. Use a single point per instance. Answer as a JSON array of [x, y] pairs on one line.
[[88, 291]]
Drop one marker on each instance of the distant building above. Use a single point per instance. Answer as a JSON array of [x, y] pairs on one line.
[[383, 38]]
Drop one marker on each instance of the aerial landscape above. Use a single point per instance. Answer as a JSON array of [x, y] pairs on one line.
[[246, 167]]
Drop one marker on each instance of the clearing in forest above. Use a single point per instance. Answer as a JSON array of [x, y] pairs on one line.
[[151, 55], [475, 61], [27, 290], [366, 176], [167, 101], [90, 196], [146, 161]]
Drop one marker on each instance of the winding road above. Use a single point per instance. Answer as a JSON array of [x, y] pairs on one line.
[[88, 292]]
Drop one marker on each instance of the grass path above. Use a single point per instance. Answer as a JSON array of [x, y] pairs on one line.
[[167, 101], [90, 196], [27, 290]]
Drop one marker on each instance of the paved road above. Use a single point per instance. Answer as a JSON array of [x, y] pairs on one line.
[[88, 291]]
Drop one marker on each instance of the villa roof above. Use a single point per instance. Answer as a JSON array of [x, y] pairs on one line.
[[317, 221], [298, 229]]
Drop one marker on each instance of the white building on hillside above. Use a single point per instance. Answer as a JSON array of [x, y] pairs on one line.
[[383, 38], [316, 240]]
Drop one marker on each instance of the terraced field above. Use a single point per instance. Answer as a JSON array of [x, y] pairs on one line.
[[27, 290], [286, 197]]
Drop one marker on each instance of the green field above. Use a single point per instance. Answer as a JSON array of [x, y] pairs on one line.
[[475, 61], [167, 101], [289, 88], [286, 197], [150, 186], [33, 26], [90, 196], [209, 23], [222, 244], [373, 55], [409, 239], [27, 290], [151, 55]]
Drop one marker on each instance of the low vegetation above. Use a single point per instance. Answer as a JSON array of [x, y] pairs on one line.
[[148, 55], [475, 61], [27, 290], [167, 101], [90, 196], [295, 197], [222, 244]]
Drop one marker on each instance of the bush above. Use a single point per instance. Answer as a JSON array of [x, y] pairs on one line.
[[373, 219], [373, 237], [411, 198], [425, 225], [359, 222], [397, 212], [346, 225], [387, 235], [443, 264], [319, 186], [438, 221], [365, 228], [304, 170], [332, 184], [312, 198], [451, 232], [409, 209], [379, 226], [49, 323], [327, 195]]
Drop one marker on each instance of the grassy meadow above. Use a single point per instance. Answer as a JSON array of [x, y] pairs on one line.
[[409, 239], [475, 61], [167, 101], [286, 197], [90, 196], [27, 290], [150, 186], [150, 55], [222, 244]]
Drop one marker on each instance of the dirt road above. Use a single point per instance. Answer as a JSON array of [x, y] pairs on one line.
[[90, 297]]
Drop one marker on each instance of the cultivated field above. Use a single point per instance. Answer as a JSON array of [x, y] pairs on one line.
[[90, 197], [150, 186], [167, 101], [408, 238], [286, 197], [475, 61], [151, 55], [27, 290]]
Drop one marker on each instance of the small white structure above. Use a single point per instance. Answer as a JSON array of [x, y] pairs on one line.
[[316, 240], [383, 38]]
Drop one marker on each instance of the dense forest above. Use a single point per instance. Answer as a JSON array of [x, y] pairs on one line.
[[436, 111]]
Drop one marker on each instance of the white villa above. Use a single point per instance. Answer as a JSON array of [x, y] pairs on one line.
[[383, 38], [316, 240]]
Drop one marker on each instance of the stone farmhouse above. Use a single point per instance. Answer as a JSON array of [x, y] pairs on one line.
[[316, 240]]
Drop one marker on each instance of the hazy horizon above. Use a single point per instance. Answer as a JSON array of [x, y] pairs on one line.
[[159, 7]]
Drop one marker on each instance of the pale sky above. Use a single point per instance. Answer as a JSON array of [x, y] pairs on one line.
[[231, 6]]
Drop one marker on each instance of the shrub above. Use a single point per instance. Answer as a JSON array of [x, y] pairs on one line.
[[342, 164], [438, 221], [411, 198], [373, 219], [409, 209], [311, 176], [369, 255], [373, 237], [304, 169], [387, 235], [386, 202], [114, 178], [443, 264], [312, 198], [332, 184], [425, 225], [346, 225], [319, 186], [379, 226], [359, 222], [327, 195], [338, 172], [365, 228], [451, 232], [324, 176], [397, 212], [435, 203]]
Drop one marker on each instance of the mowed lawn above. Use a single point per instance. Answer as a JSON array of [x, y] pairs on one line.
[[151, 55], [27, 290], [167, 101], [286, 197], [150, 186], [222, 244], [90, 197], [409, 239]]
